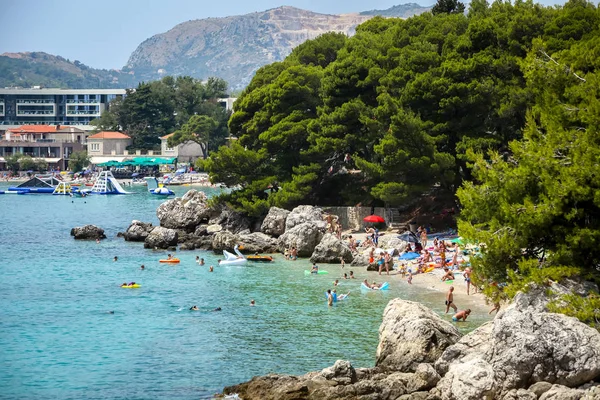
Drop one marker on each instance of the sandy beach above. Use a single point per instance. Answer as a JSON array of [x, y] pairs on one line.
[[431, 282]]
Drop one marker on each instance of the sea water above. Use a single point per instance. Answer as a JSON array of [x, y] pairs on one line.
[[59, 337]]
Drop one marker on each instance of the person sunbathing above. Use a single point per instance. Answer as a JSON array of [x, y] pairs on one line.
[[448, 276]]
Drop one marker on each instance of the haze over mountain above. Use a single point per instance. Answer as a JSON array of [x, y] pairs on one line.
[[232, 48]]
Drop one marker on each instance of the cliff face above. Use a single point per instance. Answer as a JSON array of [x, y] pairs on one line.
[[233, 48]]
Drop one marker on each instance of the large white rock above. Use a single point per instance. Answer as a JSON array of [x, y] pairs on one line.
[[304, 237], [411, 334], [184, 213], [138, 231], [302, 214], [161, 238], [520, 347], [274, 222], [330, 249]]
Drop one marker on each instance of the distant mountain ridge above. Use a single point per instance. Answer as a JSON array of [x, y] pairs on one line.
[[232, 48], [38, 68]]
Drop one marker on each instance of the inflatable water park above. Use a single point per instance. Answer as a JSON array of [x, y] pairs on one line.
[[105, 183]]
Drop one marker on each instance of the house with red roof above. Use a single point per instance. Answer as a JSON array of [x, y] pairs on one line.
[[107, 143]]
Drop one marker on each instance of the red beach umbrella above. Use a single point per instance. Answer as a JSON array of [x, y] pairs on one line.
[[373, 218]]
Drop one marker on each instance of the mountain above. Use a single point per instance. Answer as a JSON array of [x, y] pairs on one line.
[[233, 48], [37, 68], [401, 11]]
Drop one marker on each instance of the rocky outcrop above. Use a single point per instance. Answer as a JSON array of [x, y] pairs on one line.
[[257, 242], [519, 348], [231, 221], [161, 238], [411, 334], [184, 213], [274, 222], [138, 231], [88, 232], [304, 237], [303, 214], [330, 249]]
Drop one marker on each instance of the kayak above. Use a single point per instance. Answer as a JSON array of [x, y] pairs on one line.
[[307, 272], [171, 261], [260, 258], [384, 286], [135, 286]]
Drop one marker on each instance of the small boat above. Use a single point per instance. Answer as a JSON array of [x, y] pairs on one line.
[[170, 261], [259, 258], [158, 189]]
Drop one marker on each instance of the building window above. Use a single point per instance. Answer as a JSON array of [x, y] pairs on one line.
[[95, 146]]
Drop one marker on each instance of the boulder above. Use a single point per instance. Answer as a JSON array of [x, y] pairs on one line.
[[341, 372], [224, 240], [138, 231], [540, 388], [303, 214], [232, 221], [411, 334], [304, 237], [360, 260], [184, 213], [201, 230], [330, 249], [214, 228], [257, 242], [519, 394], [161, 238], [520, 347], [559, 392], [88, 232], [274, 222], [391, 241], [424, 378]]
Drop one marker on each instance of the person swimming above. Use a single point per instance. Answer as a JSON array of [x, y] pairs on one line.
[[252, 303], [211, 269], [314, 269], [116, 258], [142, 267], [352, 275], [194, 308], [217, 309]]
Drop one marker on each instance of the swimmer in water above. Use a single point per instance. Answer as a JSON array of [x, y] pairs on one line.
[[252, 303], [201, 261], [217, 309], [142, 267], [116, 258], [194, 308], [211, 269]]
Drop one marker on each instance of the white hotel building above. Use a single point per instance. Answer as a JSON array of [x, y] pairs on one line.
[[41, 106]]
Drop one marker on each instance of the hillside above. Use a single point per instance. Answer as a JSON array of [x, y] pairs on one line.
[[37, 68], [233, 48]]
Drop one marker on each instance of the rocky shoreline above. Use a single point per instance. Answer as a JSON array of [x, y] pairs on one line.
[[191, 223], [526, 352]]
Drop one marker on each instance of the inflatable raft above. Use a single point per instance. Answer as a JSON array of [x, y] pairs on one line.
[[384, 286], [307, 272], [171, 261], [260, 258], [233, 259], [134, 286]]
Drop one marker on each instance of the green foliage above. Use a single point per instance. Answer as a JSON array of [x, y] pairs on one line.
[[41, 164], [27, 163], [158, 108], [199, 128], [448, 7], [12, 162], [586, 309], [78, 161]]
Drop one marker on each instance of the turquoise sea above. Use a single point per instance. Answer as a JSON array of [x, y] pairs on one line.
[[58, 341]]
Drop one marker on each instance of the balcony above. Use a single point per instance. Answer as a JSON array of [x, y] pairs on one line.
[[35, 101], [40, 109], [83, 102]]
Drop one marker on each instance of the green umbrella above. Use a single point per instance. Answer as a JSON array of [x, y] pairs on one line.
[[458, 240]]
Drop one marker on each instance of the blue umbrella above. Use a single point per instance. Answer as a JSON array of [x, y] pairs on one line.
[[409, 256]]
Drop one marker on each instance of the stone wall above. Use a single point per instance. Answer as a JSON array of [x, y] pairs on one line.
[[352, 217]]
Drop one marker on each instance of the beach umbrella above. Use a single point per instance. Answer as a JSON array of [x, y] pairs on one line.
[[135, 174], [408, 236], [457, 240], [409, 256], [374, 219]]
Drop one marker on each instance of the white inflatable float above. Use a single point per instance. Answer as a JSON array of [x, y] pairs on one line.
[[233, 259]]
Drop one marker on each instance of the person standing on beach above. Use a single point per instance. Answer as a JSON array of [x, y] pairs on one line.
[[409, 279], [496, 308], [387, 259], [467, 276], [380, 262], [343, 262], [329, 298], [450, 300]]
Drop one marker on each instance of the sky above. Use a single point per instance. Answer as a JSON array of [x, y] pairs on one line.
[[104, 33]]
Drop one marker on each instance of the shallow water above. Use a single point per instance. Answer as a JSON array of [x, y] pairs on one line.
[[57, 340]]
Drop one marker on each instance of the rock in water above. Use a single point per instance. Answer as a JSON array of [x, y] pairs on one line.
[[161, 238], [184, 213], [274, 222], [330, 249], [138, 231], [88, 232], [411, 334], [303, 237]]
